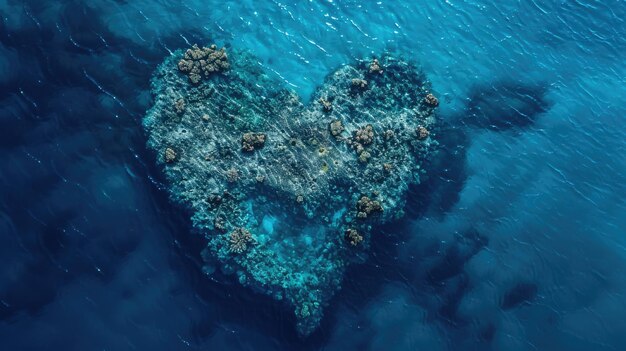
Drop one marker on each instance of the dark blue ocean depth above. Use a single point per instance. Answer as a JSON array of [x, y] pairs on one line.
[[517, 241]]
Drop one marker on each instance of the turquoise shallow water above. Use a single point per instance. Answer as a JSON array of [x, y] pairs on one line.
[[516, 243]]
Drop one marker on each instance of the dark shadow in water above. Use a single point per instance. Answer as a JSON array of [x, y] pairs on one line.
[[445, 175], [51, 105], [454, 257], [450, 267], [438, 287], [501, 106], [520, 294], [505, 105]]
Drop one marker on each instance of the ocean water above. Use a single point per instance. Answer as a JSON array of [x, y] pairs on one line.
[[516, 242]]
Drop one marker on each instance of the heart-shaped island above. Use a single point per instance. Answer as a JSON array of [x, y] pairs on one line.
[[287, 193]]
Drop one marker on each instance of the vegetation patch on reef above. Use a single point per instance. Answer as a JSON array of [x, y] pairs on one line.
[[285, 192]]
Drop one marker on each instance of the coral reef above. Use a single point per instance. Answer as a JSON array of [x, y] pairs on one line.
[[431, 100], [422, 132], [326, 105], [179, 106], [232, 175], [250, 141], [353, 237], [198, 62], [170, 155], [239, 239], [365, 135], [366, 207], [336, 128], [359, 84], [274, 184], [375, 67]]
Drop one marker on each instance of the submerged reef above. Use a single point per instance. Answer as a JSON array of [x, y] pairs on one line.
[[285, 192]]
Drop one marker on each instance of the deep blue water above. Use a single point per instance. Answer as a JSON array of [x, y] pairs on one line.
[[517, 241]]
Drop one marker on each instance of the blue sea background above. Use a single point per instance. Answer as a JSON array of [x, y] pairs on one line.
[[516, 242]]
